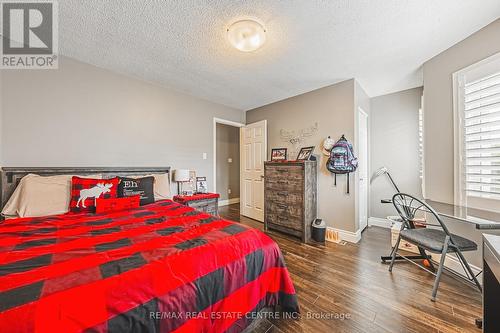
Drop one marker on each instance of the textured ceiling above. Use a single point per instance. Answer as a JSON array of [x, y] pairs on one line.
[[311, 44]]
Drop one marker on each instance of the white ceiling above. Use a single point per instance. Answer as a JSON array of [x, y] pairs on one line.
[[182, 44]]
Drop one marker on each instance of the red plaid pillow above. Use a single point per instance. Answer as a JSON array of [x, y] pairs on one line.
[[117, 204], [85, 191]]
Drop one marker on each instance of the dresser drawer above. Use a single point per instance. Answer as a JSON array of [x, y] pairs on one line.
[[285, 185], [284, 209], [208, 206], [286, 230], [285, 221], [285, 197], [285, 169]]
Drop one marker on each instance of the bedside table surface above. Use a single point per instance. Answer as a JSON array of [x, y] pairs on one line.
[[195, 197]]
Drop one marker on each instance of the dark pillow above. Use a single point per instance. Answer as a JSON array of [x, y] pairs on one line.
[[85, 191], [116, 204], [137, 186]]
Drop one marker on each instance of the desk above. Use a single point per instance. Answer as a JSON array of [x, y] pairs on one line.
[[482, 219], [491, 278]]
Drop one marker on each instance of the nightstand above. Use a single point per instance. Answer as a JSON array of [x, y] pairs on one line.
[[205, 202]]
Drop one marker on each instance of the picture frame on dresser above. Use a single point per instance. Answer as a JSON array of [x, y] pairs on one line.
[[305, 153], [201, 185], [278, 154]]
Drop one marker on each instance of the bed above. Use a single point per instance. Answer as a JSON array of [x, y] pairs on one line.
[[163, 267]]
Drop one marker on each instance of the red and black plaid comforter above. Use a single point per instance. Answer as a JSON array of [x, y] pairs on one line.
[[159, 268]]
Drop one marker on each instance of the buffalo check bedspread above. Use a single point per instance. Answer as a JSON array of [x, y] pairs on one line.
[[163, 267]]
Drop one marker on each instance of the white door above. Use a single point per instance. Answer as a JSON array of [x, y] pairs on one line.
[[253, 152], [363, 169]]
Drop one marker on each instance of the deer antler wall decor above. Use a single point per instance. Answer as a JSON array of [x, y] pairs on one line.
[[297, 137]]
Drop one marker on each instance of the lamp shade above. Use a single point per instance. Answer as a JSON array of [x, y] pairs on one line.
[[181, 175]]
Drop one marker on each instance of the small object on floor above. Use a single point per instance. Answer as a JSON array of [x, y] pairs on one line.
[[332, 236], [426, 263]]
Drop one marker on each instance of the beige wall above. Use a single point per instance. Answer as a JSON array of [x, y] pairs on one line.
[[438, 107], [228, 173], [438, 116], [332, 108], [81, 115], [1, 118], [394, 144]]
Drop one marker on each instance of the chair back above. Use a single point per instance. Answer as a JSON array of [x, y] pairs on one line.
[[408, 206]]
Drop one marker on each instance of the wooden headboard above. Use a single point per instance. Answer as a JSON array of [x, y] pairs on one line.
[[10, 176]]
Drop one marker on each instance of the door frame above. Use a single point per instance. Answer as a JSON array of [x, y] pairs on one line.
[[242, 188], [224, 122], [360, 111]]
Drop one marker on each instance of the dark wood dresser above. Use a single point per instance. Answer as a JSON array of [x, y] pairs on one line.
[[290, 197]]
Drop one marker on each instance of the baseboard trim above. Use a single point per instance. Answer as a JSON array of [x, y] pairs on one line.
[[379, 222], [348, 236], [228, 202]]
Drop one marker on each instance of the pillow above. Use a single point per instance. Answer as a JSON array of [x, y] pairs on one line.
[[40, 196], [161, 186], [116, 204], [137, 186], [85, 191]]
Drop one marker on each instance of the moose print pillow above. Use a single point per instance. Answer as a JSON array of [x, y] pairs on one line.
[[85, 192]]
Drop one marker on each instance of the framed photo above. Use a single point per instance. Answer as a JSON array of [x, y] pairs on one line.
[[278, 154], [201, 185], [305, 153], [190, 187]]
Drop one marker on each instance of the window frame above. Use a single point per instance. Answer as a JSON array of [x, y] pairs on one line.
[[459, 81], [421, 141]]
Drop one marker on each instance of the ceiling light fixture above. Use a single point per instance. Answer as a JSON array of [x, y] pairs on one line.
[[246, 35]]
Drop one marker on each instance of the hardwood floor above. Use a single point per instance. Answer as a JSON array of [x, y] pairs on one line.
[[349, 280]]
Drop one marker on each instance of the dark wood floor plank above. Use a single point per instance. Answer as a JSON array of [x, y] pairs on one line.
[[349, 279]]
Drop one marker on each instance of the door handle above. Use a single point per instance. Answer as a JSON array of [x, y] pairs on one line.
[[261, 176]]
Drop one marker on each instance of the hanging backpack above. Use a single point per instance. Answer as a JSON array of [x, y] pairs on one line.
[[342, 160]]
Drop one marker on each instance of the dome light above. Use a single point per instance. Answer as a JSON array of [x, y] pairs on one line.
[[246, 35]]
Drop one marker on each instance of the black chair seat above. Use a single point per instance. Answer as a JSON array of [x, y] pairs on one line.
[[433, 239]]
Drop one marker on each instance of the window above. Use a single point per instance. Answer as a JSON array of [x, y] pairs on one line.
[[477, 110], [421, 154]]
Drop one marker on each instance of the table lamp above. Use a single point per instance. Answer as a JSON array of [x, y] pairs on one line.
[[181, 176]]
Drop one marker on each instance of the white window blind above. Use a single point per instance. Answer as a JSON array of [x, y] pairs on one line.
[[481, 121]]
